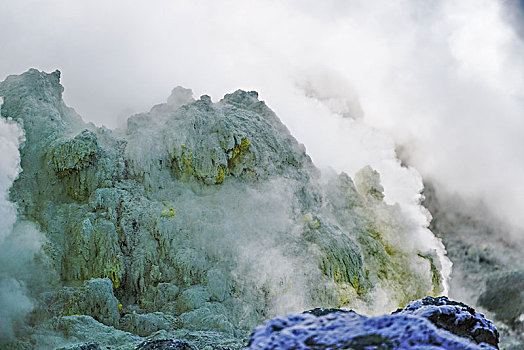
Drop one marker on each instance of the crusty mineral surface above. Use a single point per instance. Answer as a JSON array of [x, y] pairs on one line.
[[197, 220], [428, 323]]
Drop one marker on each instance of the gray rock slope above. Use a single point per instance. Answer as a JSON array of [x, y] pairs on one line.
[[488, 266], [199, 219]]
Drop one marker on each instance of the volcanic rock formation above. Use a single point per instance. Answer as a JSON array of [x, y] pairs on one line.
[[198, 217]]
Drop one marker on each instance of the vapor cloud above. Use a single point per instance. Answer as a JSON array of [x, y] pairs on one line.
[[353, 80], [14, 302], [10, 137]]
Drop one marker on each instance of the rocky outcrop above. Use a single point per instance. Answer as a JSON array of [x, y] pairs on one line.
[[455, 317], [424, 324], [95, 298], [208, 217]]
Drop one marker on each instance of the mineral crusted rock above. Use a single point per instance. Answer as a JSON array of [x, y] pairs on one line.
[[95, 298], [164, 344], [455, 317], [82, 330], [147, 324], [210, 214], [429, 323]]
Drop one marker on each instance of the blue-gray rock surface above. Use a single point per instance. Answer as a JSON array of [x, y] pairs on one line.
[[429, 323]]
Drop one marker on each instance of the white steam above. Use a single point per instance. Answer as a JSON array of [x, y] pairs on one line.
[[14, 302], [445, 79], [10, 136], [22, 269], [14, 306]]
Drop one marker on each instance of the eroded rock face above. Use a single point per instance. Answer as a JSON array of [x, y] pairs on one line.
[[203, 216], [428, 323]]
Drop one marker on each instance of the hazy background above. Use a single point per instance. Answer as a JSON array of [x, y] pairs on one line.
[[353, 80]]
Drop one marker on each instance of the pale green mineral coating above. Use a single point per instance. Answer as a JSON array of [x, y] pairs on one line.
[[186, 213], [94, 298], [367, 182], [75, 154]]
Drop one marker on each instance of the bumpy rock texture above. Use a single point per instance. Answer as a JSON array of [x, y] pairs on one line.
[[198, 218], [429, 323], [455, 317]]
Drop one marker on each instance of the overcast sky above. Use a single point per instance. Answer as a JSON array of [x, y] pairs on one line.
[[445, 79]]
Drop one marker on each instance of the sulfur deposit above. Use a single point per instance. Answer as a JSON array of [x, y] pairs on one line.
[[197, 221]]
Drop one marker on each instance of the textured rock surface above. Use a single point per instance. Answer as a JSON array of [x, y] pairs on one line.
[[455, 317], [424, 324], [146, 324], [81, 331], [164, 344], [95, 298], [202, 217]]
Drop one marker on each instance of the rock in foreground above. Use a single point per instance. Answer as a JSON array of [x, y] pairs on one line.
[[429, 323]]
